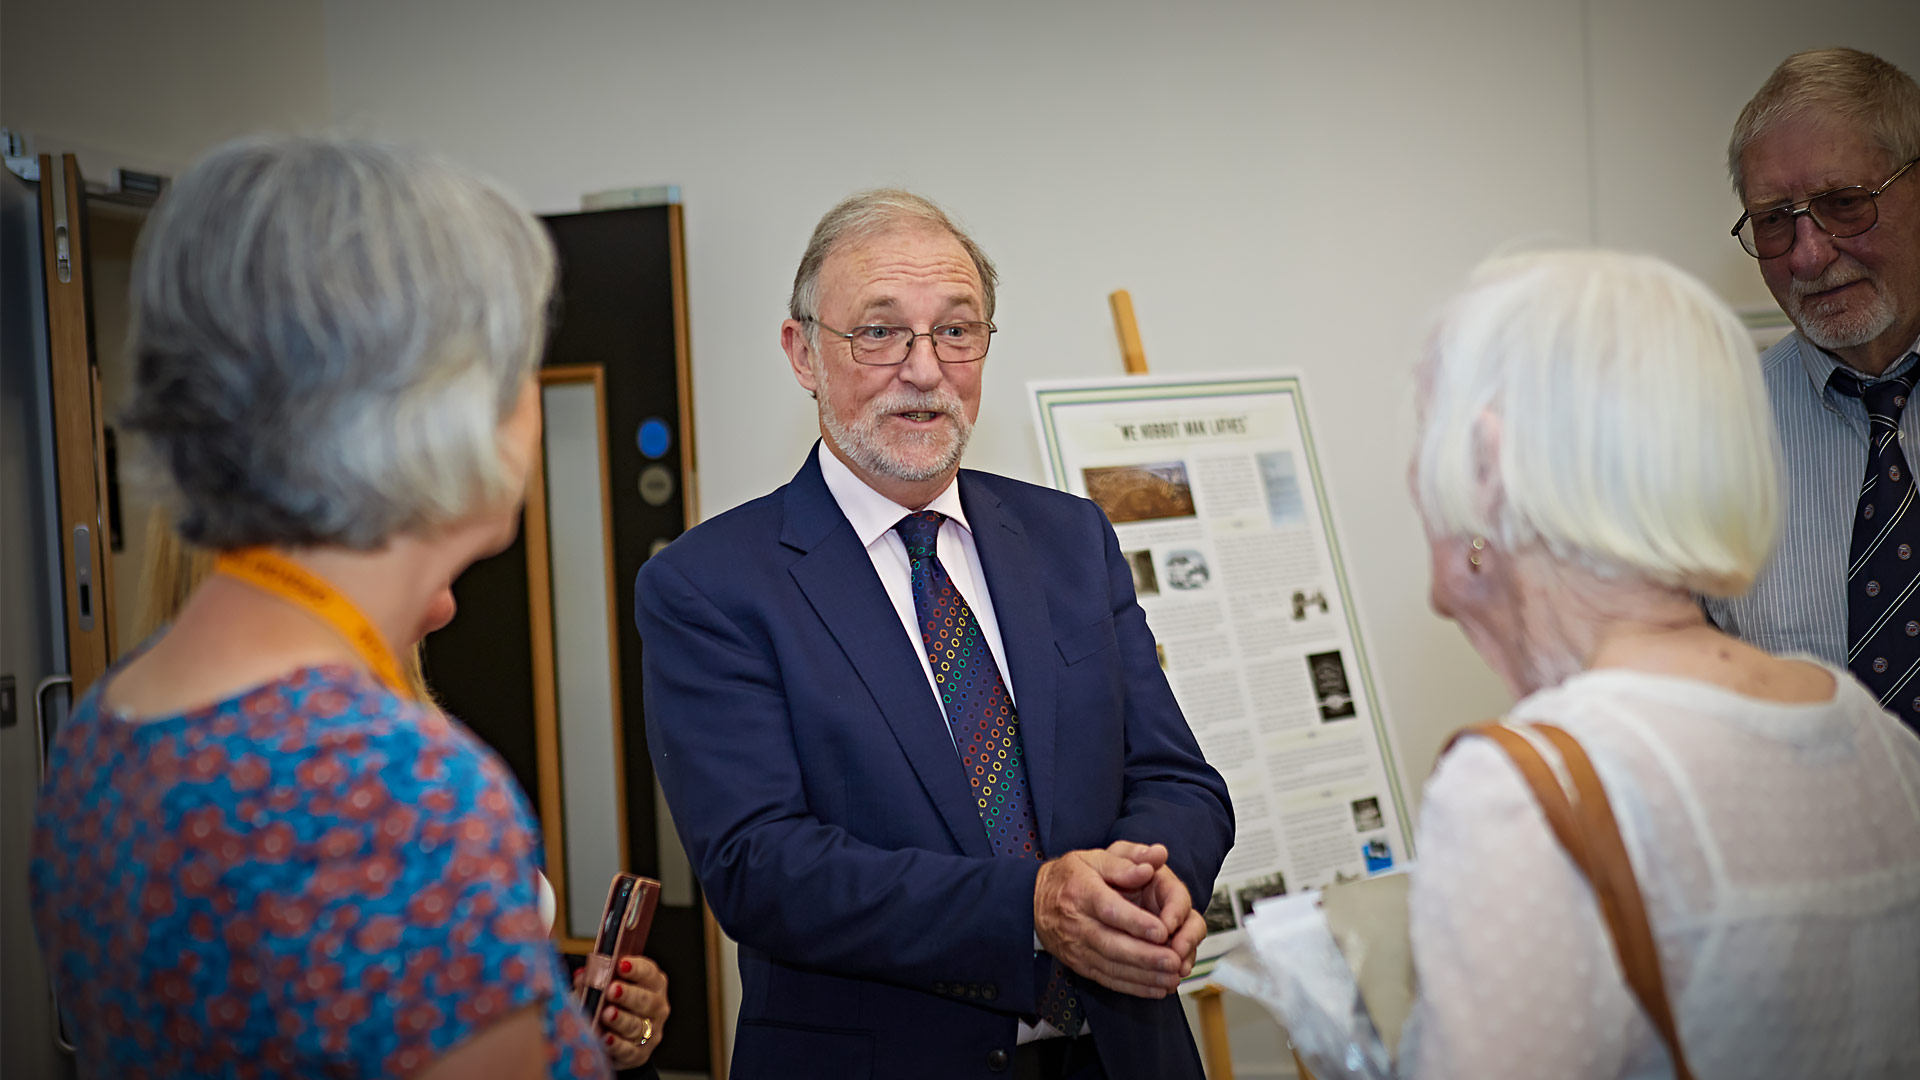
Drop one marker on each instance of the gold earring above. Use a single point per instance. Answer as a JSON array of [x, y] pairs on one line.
[[1473, 557]]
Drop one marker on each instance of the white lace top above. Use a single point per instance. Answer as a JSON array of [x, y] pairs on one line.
[[1778, 849]]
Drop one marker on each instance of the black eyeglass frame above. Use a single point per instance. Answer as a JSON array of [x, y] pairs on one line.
[[1806, 207], [854, 350]]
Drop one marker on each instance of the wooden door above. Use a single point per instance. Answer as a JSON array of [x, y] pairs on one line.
[[78, 438]]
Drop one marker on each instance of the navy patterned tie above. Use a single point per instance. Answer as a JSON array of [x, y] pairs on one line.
[[1883, 577], [985, 726]]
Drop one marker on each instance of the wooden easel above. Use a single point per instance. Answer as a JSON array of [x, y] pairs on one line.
[[1215, 1051], [1132, 353]]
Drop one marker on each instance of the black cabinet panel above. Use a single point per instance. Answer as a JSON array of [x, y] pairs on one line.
[[618, 307]]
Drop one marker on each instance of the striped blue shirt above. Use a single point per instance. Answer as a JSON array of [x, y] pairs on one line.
[[1799, 602]]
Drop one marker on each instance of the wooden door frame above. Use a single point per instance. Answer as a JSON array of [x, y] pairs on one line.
[[546, 709], [78, 450]]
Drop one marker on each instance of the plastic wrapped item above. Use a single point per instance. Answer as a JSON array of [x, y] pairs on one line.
[[1292, 965]]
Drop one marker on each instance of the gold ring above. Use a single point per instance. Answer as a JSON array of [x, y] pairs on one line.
[[646, 1030]]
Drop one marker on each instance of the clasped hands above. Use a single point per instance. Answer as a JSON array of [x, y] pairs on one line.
[[1118, 917]]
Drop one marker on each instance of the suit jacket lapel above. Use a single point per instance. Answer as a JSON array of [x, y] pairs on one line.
[[1026, 633], [837, 577]]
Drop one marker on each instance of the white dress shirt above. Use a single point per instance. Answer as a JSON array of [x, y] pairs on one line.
[[873, 517], [1799, 601]]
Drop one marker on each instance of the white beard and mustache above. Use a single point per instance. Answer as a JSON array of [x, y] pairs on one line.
[[1836, 327], [913, 456]]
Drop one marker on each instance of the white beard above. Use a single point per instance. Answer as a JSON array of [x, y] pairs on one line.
[[1832, 327], [914, 456]]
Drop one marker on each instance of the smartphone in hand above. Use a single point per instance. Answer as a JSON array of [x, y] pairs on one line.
[[624, 923]]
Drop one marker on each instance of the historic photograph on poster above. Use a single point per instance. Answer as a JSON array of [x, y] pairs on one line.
[[1330, 686], [1219, 913], [1274, 884], [1145, 581], [1366, 815], [1141, 492]]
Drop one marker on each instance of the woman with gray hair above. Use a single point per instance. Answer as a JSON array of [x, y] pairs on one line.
[[1595, 451], [258, 852]]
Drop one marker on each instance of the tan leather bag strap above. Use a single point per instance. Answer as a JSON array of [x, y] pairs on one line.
[[1586, 828]]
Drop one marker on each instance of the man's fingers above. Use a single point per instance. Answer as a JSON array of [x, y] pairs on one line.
[[1171, 895], [1154, 855], [1119, 913], [1186, 943], [1128, 977], [1100, 951], [1120, 872], [1099, 933]]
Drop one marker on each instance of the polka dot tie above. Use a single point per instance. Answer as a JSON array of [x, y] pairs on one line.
[[1883, 574], [985, 726]]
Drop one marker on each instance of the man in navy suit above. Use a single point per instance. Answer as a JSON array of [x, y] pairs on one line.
[[910, 721]]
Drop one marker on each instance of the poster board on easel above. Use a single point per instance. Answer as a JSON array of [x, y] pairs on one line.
[[1216, 494]]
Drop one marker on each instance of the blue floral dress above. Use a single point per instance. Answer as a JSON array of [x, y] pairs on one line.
[[312, 878]]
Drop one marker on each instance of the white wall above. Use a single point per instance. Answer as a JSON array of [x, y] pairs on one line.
[[151, 85], [1281, 185]]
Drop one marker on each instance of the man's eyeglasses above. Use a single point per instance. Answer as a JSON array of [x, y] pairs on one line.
[[1840, 213], [885, 346]]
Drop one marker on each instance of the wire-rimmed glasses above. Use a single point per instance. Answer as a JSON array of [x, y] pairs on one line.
[[885, 346], [1840, 213]]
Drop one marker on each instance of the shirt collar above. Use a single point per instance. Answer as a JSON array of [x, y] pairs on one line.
[[872, 514], [1821, 365]]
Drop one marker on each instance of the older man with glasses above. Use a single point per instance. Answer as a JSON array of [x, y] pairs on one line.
[[910, 722], [1826, 162]]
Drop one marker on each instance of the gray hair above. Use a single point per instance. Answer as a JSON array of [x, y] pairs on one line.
[[1877, 98], [326, 336], [1614, 403], [869, 214]]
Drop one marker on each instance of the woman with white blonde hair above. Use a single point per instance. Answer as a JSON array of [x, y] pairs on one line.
[[1595, 452]]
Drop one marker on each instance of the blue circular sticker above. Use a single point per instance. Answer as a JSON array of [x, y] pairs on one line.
[[655, 437]]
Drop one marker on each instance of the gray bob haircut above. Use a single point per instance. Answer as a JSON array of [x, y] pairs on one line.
[[1876, 98], [1607, 408], [326, 336], [869, 214]]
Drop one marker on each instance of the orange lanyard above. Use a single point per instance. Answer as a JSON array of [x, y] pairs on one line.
[[273, 573]]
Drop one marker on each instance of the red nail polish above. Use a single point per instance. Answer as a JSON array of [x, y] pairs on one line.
[[609, 1040], [626, 967], [615, 992]]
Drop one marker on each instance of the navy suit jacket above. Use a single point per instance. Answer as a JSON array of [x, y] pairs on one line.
[[814, 783]]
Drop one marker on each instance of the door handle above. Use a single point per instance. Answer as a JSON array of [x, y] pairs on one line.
[[83, 575], [40, 770], [40, 722]]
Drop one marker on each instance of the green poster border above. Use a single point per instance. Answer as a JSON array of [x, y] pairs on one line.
[[1047, 399]]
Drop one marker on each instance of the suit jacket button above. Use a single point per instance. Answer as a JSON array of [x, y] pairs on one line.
[[989, 992], [997, 1061]]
